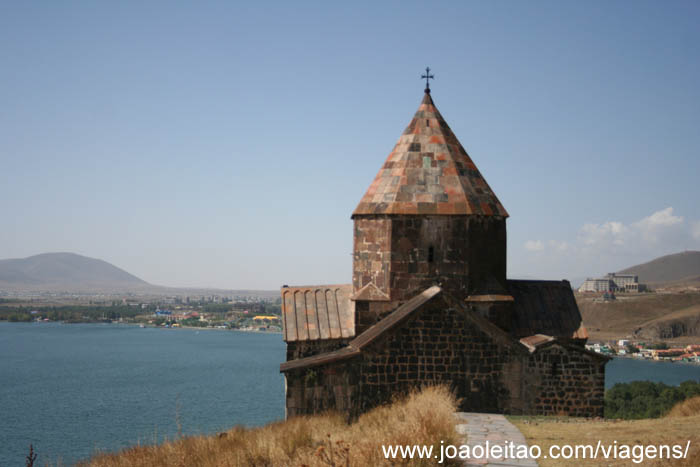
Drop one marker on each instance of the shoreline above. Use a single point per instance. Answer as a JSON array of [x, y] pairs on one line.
[[146, 326], [641, 359]]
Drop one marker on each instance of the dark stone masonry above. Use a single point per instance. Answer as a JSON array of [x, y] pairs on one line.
[[429, 301]]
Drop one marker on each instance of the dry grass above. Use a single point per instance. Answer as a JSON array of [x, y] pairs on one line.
[[547, 431], [424, 417], [687, 408]]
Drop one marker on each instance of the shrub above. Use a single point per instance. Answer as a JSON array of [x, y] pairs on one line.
[[644, 399]]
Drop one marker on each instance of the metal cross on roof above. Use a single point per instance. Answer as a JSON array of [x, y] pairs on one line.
[[427, 77]]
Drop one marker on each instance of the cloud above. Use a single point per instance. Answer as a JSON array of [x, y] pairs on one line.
[[608, 232], [558, 246], [612, 245], [534, 245], [696, 230], [664, 217], [660, 233], [655, 226], [659, 227]]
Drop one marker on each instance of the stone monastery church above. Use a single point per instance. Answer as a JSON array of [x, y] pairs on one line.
[[430, 303]]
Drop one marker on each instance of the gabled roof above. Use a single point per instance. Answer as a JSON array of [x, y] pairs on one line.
[[429, 172], [318, 312], [540, 341], [370, 335], [546, 307], [394, 319]]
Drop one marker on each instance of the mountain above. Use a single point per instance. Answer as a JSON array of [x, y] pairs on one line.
[[674, 313], [65, 272], [68, 272], [676, 269]]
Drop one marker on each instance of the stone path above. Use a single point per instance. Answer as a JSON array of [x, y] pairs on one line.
[[482, 427]]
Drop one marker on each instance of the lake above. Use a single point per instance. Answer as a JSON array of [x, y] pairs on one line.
[[624, 370], [76, 388]]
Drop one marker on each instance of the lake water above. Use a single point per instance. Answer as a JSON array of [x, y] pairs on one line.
[[624, 370], [72, 389], [76, 388]]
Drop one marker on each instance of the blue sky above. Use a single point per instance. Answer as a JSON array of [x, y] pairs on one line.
[[226, 144]]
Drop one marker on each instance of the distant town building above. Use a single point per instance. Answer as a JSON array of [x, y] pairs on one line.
[[624, 282], [613, 282], [596, 285], [266, 318]]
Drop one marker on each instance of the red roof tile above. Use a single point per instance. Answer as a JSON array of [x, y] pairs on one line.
[[318, 312], [427, 160]]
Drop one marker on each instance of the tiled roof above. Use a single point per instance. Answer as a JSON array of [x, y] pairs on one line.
[[546, 307], [356, 346], [533, 342], [429, 172], [318, 312]]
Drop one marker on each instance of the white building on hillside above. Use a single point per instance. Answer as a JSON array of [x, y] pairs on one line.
[[613, 282], [596, 285]]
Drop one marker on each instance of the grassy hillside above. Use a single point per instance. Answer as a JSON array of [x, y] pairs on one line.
[[424, 417], [677, 428], [667, 270], [645, 316], [680, 323], [548, 431]]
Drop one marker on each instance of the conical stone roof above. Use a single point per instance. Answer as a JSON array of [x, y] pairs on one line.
[[429, 172]]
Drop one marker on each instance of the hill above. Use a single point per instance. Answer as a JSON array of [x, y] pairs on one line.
[[677, 269], [65, 271], [642, 316], [679, 323], [673, 313], [73, 273]]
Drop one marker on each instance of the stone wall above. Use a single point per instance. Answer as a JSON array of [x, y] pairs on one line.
[[302, 349], [368, 313], [463, 253], [441, 344], [562, 380], [438, 345], [322, 388], [371, 252], [404, 255]]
